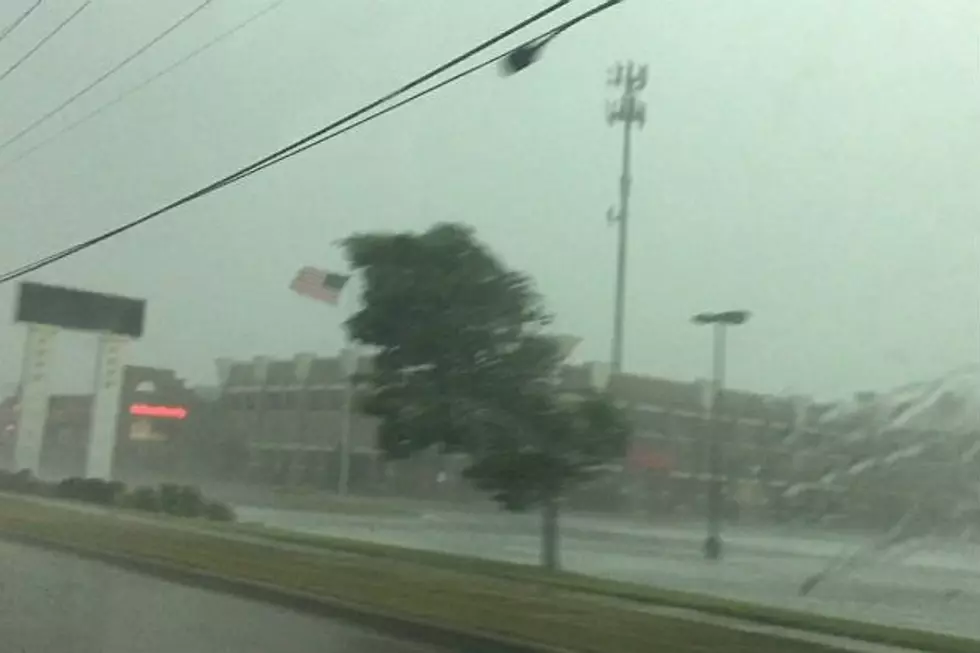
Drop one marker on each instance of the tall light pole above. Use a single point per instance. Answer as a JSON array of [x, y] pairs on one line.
[[629, 110], [719, 322]]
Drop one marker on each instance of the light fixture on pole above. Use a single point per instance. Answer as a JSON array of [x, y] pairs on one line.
[[720, 322], [524, 55]]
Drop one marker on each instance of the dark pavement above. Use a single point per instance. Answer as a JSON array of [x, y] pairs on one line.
[[53, 603]]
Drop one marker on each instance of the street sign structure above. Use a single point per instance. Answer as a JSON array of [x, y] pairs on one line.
[[48, 310]]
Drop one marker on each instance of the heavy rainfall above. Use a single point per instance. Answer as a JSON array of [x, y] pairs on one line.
[[679, 295]]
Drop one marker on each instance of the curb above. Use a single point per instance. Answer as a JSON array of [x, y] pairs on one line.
[[416, 630]]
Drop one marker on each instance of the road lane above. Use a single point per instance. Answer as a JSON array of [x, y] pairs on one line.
[[54, 602]]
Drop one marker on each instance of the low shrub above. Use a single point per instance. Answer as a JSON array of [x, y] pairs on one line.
[[91, 490], [168, 498], [218, 511], [181, 500], [22, 482], [144, 498]]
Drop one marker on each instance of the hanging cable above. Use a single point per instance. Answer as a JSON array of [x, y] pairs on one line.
[[5, 32], [104, 76], [144, 84], [326, 133], [40, 44]]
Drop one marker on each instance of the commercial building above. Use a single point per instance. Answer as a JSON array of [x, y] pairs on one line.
[[286, 420], [669, 456], [270, 422], [153, 434], [280, 422]]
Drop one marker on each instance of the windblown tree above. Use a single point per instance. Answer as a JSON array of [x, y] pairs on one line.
[[464, 365]]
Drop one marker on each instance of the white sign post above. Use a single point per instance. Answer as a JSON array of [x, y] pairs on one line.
[[105, 411], [34, 397]]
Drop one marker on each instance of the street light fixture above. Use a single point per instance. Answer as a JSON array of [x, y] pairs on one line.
[[523, 56], [526, 54], [720, 322], [734, 318]]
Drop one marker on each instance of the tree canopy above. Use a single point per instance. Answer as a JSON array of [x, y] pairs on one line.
[[464, 364]]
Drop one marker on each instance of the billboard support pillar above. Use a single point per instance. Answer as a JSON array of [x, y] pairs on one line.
[[35, 394], [105, 410]]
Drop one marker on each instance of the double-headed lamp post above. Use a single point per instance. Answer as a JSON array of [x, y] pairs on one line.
[[720, 323]]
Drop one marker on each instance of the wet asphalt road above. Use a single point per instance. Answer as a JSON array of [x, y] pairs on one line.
[[54, 603]]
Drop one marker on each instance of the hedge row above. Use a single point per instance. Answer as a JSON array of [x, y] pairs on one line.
[[167, 498]]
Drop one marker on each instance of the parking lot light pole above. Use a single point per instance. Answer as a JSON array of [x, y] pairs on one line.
[[713, 544]]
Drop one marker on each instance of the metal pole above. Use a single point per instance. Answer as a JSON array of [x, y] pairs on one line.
[[629, 111], [625, 182], [349, 365], [713, 544]]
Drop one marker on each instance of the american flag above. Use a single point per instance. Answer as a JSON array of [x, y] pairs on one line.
[[319, 284]]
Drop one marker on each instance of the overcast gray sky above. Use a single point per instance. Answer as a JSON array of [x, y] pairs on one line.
[[814, 161]]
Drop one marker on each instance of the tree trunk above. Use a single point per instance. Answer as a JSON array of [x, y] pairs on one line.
[[549, 535]]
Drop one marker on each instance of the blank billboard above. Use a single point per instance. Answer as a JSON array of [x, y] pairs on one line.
[[80, 310]]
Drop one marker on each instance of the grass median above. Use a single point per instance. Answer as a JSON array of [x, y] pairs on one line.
[[453, 596], [631, 592], [318, 502]]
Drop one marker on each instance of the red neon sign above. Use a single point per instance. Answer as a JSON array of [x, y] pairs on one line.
[[150, 410]]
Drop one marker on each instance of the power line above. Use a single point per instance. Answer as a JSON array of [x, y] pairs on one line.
[[17, 21], [52, 258], [104, 76], [326, 133], [40, 44], [537, 40], [146, 82]]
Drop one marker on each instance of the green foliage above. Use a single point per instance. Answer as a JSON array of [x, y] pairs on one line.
[[22, 482], [90, 490], [462, 365], [181, 500], [176, 500], [218, 511], [565, 442], [144, 498], [450, 321]]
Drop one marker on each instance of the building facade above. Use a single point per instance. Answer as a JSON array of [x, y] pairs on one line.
[[284, 420], [282, 423], [278, 423], [669, 459], [153, 427]]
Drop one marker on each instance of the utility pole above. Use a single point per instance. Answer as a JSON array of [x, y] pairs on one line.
[[630, 111]]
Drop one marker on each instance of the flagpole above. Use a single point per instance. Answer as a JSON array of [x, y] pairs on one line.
[[327, 287], [349, 364]]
